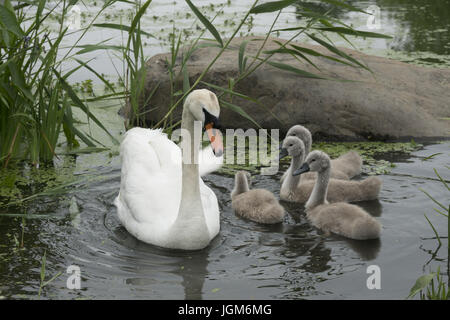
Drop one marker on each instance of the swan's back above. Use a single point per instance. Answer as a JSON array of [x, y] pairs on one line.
[[258, 205], [338, 190], [148, 172], [346, 220], [349, 164]]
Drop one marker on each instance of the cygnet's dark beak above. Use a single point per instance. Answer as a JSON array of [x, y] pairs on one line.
[[283, 153], [304, 168]]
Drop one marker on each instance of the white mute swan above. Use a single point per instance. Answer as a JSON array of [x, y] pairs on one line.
[[296, 189], [258, 205], [341, 218], [162, 199]]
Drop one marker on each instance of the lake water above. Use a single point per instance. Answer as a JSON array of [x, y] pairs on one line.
[[420, 28], [246, 261]]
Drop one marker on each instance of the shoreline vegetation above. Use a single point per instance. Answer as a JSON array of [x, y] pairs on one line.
[[37, 99]]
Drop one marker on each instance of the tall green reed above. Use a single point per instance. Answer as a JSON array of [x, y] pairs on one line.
[[36, 99]]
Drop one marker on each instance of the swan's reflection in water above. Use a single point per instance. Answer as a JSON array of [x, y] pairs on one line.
[[191, 266]]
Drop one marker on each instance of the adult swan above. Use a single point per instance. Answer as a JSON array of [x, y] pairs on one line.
[[162, 200]]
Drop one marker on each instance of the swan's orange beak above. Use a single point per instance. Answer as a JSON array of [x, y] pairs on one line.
[[215, 138]]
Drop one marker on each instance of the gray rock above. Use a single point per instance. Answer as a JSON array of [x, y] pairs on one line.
[[397, 101]]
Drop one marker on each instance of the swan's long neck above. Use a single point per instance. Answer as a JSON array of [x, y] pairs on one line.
[[190, 148], [240, 185], [319, 194], [190, 230], [293, 181]]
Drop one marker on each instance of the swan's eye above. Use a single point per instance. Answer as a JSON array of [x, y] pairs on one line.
[[293, 134], [312, 160], [290, 145]]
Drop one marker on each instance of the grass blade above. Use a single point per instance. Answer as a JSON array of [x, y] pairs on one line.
[[353, 32], [434, 230], [121, 27], [205, 22], [272, 6], [290, 68], [238, 110], [82, 106], [337, 51], [9, 20]]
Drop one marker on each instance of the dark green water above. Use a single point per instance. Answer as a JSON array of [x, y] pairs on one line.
[[291, 260]]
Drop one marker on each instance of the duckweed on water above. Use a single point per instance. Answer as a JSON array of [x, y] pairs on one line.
[[371, 153]]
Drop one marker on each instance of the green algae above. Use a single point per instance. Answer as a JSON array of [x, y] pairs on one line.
[[372, 154]]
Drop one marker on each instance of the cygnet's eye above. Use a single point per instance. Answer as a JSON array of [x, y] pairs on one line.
[[293, 134], [291, 145], [312, 160]]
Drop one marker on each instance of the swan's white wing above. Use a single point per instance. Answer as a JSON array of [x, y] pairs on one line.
[[210, 209], [150, 188], [208, 162]]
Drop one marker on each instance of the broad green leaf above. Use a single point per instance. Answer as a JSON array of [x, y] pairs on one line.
[[421, 284], [205, 22], [241, 56], [8, 19], [19, 80], [272, 6]]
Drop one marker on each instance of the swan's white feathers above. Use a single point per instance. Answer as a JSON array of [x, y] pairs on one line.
[[149, 171]]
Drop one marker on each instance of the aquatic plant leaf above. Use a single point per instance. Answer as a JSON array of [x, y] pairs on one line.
[[290, 68], [94, 47], [238, 110], [82, 106], [9, 20], [120, 27], [205, 22], [137, 18], [272, 6], [337, 51], [356, 33], [421, 283], [241, 63], [291, 52], [434, 230], [432, 156]]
